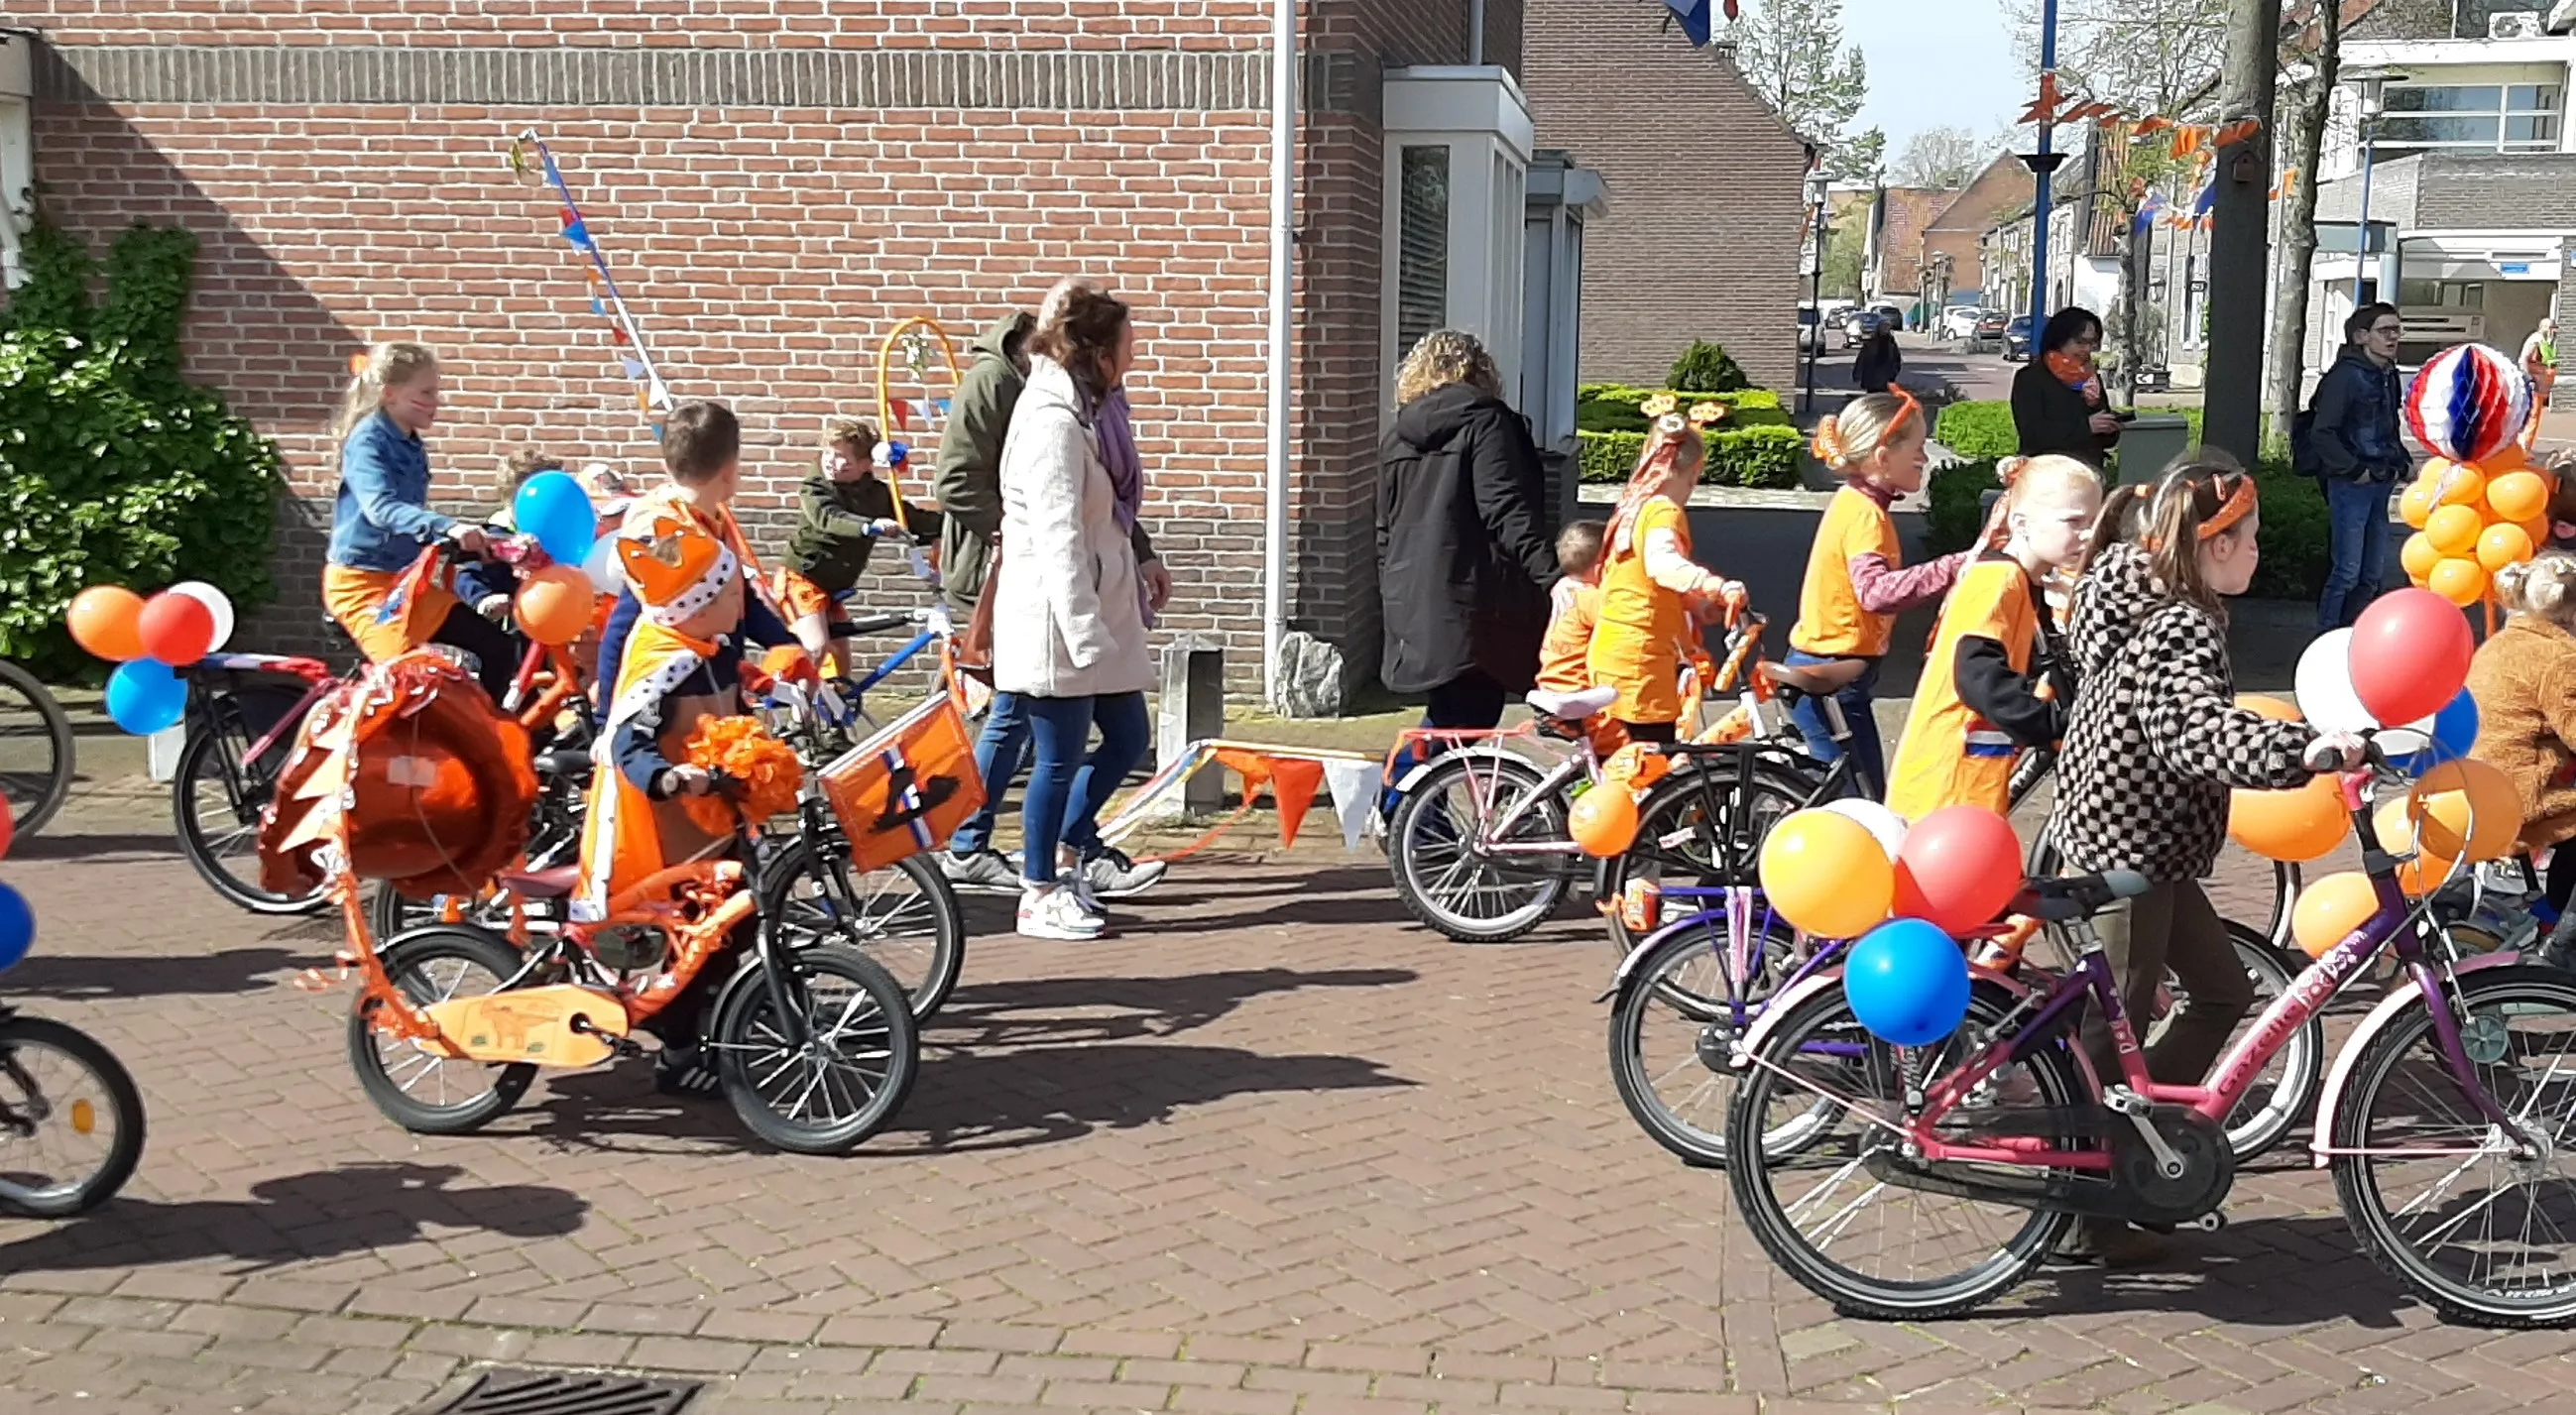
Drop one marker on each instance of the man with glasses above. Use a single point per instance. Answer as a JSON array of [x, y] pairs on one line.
[[2358, 456]]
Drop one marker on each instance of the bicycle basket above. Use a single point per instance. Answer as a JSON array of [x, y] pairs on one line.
[[908, 788]]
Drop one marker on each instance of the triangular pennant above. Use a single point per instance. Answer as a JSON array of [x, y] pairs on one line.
[[1294, 781], [1355, 787]]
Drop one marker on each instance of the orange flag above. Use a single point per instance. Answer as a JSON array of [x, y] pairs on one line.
[[2235, 133], [1291, 781]]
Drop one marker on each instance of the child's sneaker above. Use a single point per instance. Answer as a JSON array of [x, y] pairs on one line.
[[1055, 911], [1111, 875], [981, 872]]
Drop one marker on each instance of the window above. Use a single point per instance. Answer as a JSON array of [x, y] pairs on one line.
[[1422, 257], [2479, 117]]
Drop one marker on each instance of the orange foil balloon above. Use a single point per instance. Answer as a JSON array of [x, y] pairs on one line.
[[2419, 557], [2503, 544], [555, 605], [2330, 909], [2518, 496], [2301, 824], [2453, 530], [107, 620], [2416, 503], [2462, 582]]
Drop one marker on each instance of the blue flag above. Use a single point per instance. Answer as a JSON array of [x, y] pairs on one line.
[[1694, 17]]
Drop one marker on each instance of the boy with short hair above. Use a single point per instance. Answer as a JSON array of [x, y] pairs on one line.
[[843, 509], [1575, 603]]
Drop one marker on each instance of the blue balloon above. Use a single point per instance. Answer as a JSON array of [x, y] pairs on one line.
[[17, 927], [1907, 982], [553, 507], [145, 697], [2455, 729]]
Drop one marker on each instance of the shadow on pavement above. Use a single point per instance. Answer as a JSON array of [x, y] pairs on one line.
[[1009, 1100], [88, 847], [2265, 1272], [297, 1218], [1032, 1013], [1347, 895], [74, 975]]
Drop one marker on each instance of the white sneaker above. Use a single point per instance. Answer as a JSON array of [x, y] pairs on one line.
[[1056, 912]]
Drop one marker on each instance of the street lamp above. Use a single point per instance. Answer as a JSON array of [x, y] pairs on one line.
[[1815, 333], [2374, 101]]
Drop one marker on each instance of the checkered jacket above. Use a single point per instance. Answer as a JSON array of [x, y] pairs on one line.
[[2157, 740]]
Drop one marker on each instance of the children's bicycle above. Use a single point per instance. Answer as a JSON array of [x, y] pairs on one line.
[[1941, 1176], [71, 1121], [36, 749]]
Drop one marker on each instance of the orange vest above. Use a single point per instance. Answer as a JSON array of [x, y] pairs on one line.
[[1831, 623]]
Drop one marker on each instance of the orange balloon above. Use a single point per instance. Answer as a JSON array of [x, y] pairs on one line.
[[2538, 529], [1826, 874], [2518, 496], [2460, 484], [2503, 544], [2273, 708], [2453, 530], [1604, 820], [2466, 808], [107, 620], [555, 604], [2415, 503], [2330, 909], [2419, 557], [2300, 824], [2462, 582], [2509, 458]]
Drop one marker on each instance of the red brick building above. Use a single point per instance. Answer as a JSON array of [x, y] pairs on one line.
[[1706, 191], [776, 184], [2004, 188]]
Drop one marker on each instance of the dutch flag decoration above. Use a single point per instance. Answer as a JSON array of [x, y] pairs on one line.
[[2469, 402]]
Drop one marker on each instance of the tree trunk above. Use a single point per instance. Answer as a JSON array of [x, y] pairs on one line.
[[2240, 245], [2133, 301], [2299, 225]]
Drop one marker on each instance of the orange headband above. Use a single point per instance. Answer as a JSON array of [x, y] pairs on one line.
[[2232, 510], [1828, 445]]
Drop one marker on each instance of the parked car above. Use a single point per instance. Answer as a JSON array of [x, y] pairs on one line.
[[2017, 339], [1890, 317], [1809, 329], [1857, 326], [1960, 322]]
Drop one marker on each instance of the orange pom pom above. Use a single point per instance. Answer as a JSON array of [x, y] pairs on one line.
[[767, 768]]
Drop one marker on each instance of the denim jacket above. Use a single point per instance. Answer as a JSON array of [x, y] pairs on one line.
[[381, 518], [2355, 430]]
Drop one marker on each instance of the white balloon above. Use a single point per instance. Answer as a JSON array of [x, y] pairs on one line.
[[1883, 824], [216, 604], [607, 574], [2324, 686]]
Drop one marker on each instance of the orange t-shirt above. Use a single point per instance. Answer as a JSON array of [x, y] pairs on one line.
[[1563, 657], [1636, 645], [1831, 623]]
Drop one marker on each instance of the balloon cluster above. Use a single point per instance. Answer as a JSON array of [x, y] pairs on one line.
[[2478, 505], [557, 603], [1853, 869], [148, 640]]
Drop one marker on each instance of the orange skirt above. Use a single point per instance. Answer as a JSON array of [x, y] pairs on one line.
[[353, 597]]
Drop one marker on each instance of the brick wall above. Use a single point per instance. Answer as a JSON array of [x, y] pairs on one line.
[[1706, 191], [771, 209], [2006, 185], [1904, 213]]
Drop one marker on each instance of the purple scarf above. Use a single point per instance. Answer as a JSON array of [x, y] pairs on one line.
[[1117, 430]]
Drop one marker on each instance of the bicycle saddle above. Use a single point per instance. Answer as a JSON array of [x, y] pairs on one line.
[[2077, 896], [540, 884], [1816, 680], [566, 762], [1572, 707]]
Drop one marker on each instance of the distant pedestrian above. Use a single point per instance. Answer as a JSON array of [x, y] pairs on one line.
[[2058, 404], [2540, 361], [1879, 363], [2354, 448]]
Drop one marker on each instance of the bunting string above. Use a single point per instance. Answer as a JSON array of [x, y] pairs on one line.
[[531, 159]]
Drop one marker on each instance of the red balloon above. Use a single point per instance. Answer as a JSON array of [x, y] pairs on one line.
[[8, 826], [2410, 655], [178, 629], [1958, 868]]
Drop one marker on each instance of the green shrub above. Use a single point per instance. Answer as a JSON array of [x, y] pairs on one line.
[[1978, 431], [2293, 538], [113, 468], [1613, 407], [1707, 365], [1764, 458], [1951, 516]]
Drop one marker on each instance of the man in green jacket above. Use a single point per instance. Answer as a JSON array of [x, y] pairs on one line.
[[967, 479]]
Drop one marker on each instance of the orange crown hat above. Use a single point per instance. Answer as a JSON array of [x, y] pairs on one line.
[[678, 570]]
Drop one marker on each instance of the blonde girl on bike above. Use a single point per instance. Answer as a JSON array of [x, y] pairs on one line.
[[1651, 589]]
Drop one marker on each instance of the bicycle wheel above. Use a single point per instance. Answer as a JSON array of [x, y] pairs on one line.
[[1703, 827], [1838, 1216], [1438, 848], [2286, 1088], [906, 917], [415, 1087], [2433, 1190], [36, 749], [71, 1121], [216, 800], [849, 1076], [1675, 1023]]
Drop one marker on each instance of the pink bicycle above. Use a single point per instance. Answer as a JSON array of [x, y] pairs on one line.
[[1943, 1175]]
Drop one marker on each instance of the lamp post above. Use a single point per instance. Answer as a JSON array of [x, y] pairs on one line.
[[2374, 101], [2043, 166], [1815, 333]]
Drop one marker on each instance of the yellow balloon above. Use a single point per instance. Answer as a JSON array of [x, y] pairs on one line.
[[2462, 582], [2460, 484], [2393, 821], [2330, 909], [2518, 496], [2300, 824], [2453, 530], [2503, 544], [2415, 503], [2419, 557], [2467, 807], [1827, 874]]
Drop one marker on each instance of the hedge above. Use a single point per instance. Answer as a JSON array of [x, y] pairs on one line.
[[2293, 537], [1983, 431], [1760, 457], [1612, 407]]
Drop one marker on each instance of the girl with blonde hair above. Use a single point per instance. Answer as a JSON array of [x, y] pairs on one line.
[[1651, 589]]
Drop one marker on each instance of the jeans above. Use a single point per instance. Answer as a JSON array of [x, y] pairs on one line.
[[1066, 789], [1469, 702], [1869, 758], [2357, 530], [1000, 753]]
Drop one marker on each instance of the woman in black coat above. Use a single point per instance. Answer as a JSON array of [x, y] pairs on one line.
[[2057, 400], [1463, 559], [1879, 363]]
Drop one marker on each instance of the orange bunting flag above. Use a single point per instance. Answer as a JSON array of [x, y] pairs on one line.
[[2235, 133], [2150, 125], [2288, 185], [2188, 138], [1291, 781], [2045, 109]]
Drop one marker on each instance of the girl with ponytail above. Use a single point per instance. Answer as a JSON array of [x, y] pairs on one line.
[[1651, 589]]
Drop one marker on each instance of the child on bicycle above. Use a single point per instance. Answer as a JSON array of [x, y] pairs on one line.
[[1651, 589], [1574, 606], [1993, 684], [381, 521], [2524, 681], [490, 585], [1853, 590], [2153, 748], [842, 511]]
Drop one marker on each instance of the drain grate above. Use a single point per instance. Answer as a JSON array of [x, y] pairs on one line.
[[502, 1392]]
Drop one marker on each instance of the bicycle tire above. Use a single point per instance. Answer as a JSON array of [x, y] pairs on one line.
[[2367, 1212], [1647, 987], [125, 1151], [1545, 820], [2302, 1057], [243, 787], [945, 958], [403, 958], [33, 808], [733, 1038], [1661, 815], [2005, 1264]]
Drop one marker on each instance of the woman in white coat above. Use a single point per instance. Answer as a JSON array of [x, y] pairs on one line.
[[1070, 620]]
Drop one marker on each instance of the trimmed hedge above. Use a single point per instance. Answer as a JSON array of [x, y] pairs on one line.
[[2293, 538], [1983, 431], [1764, 458], [1612, 407]]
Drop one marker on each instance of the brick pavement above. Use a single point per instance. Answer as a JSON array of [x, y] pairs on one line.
[[1270, 1153]]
